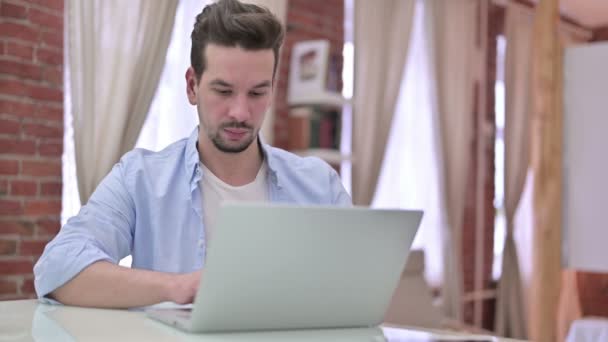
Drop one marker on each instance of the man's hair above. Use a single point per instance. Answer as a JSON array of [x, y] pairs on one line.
[[231, 23]]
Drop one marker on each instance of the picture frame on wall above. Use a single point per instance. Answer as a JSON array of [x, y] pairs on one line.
[[308, 70]]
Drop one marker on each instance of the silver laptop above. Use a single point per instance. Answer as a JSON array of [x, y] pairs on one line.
[[275, 267]]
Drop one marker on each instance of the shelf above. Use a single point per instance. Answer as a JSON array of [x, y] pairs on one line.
[[329, 155], [328, 99]]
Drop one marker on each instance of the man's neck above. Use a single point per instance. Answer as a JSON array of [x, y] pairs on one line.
[[235, 169]]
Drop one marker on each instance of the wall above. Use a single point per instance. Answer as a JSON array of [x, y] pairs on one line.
[[306, 20], [31, 137]]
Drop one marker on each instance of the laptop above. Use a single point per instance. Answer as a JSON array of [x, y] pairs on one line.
[[278, 267]]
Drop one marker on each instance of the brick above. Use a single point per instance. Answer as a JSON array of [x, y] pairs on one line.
[[45, 19], [15, 267], [27, 286], [53, 75], [22, 70], [8, 286], [14, 297], [48, 56], [24, 188], [20, 227], [50, 149], [48, 227], [41, 168], [3, 189], [9, 127], [32, 247], [9, 167], [19, 147], [56, 5], [21, 88], [16, 108], [40, 208], [13, 87], [25, 52], [12, 11], [52, 38], [18, 31], [10, 207], [8, 247], [50, 188], [43, 131], [45, 93], [50, 112]]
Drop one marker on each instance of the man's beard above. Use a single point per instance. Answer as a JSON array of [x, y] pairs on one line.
[[225, 146]]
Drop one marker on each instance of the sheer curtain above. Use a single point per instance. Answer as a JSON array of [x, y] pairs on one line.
[[112, 80], [171, 116], [382, 34], [453, 27], [409, 175]]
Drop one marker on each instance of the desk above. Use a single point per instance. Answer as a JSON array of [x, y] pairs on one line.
[[27, 320]]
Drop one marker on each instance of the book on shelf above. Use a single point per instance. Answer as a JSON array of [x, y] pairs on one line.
[[313, 128]]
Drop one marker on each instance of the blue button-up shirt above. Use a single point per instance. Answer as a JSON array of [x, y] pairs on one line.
[[149, 206]]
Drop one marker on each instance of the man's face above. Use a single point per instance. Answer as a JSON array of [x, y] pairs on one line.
[[232, 95]]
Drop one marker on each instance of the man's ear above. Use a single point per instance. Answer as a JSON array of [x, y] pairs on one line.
[[191, 86]]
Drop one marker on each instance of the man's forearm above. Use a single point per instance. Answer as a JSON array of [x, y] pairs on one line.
[[105, 285]]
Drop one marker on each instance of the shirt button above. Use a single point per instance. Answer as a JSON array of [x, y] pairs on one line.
[[201, 243]]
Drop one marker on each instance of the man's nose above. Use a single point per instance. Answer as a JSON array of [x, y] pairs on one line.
[[239, 109]]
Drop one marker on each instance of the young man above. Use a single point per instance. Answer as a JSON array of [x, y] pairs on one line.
[[161, 207]]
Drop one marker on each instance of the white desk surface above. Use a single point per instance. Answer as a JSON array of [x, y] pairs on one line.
[[28, 320]]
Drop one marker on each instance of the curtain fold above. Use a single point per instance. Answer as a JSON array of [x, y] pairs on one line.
[[382, 34], [116, 53], [452, 33]]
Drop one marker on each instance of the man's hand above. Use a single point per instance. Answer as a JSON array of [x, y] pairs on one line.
[[183, 287]]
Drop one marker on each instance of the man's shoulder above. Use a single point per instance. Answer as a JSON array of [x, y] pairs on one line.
[[140, 158], [286, 161]]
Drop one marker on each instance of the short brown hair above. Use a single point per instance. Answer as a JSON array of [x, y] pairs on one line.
[[232, 23]]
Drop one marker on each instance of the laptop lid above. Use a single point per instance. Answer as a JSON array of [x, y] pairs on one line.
[[292, 267]]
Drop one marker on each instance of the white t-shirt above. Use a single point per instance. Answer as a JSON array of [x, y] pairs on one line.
[[214, 191]]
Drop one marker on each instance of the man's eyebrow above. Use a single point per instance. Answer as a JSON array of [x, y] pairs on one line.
[[221, 83], [263, 84]]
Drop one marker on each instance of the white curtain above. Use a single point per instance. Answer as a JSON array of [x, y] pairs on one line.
[[116, 54], [410, 177], [382, 33], [452, 32], [510, 312]]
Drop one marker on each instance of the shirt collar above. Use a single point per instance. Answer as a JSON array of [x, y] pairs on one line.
[[192, 159]]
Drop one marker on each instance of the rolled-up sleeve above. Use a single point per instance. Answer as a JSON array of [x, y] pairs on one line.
[[102, 230]]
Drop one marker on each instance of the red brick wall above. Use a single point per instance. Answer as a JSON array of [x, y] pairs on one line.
[[306, 20], [31, 137]]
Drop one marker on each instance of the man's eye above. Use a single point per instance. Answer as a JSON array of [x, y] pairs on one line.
[[257, 94], [223, 92]]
